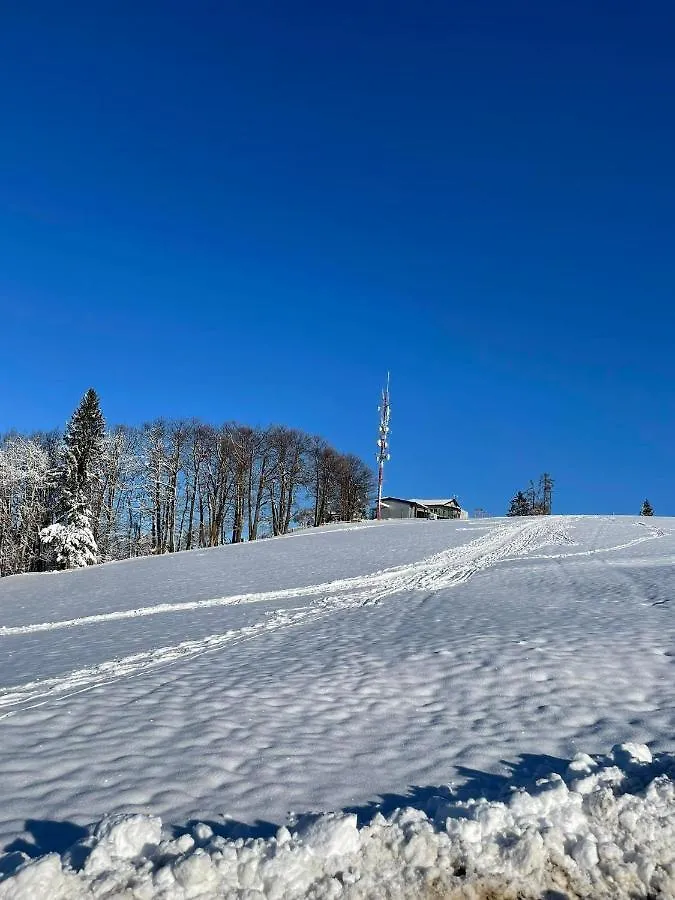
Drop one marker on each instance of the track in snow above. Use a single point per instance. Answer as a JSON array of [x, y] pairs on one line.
[[443, 570], [450, 566]]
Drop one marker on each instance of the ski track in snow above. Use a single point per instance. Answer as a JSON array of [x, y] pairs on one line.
[[441, 571], [454, 566], [478, 556]]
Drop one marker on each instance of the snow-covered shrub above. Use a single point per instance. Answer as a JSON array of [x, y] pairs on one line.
[[73, 546]]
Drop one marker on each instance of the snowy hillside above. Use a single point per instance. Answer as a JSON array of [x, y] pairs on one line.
[[438, 666]]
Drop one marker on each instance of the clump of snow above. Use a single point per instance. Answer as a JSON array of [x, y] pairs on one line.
[[604, 829], [121, 838]]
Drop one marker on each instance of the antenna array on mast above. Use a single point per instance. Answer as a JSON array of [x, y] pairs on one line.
[[383, 444]]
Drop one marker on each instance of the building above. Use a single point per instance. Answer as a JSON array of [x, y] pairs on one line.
[[399, 508], [443, 509]]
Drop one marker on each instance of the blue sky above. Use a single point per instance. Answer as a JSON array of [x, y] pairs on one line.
[[252, 210]]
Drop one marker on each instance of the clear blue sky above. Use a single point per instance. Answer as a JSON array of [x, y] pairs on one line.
[[252, 209]]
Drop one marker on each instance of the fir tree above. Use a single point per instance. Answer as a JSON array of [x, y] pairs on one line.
[[520, 506], [71, 540], [84, 441], [646, 509], [72, 545]]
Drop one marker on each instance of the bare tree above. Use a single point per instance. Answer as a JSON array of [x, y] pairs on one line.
[[116, 503], [320, 478], [25, 476], [354, 484], [219, 480], [260, 459], [155, 459], [178, 438], [288, 448], [202, 440]]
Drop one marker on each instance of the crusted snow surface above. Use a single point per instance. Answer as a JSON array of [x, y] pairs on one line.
[[355, 711], [604, 829]]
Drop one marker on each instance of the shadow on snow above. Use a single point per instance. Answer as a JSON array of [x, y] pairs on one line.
[[58, 837], [438, 802], [48, 837]]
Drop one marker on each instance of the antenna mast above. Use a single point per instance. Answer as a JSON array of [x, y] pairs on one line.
[[383, 444]]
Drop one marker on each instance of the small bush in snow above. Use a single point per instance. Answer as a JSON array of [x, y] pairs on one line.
[[73, 546]]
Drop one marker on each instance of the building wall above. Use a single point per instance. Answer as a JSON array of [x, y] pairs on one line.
[[395, 510]]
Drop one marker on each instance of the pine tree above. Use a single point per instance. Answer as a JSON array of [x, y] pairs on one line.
[[519, 506], [646, 509], [84, 440], [72, 539]]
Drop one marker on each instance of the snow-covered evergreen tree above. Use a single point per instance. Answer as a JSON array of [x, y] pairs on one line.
[[71, 540], [72, 545], [646, 509]]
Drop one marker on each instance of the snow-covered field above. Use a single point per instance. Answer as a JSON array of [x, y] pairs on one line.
[[414, 680]]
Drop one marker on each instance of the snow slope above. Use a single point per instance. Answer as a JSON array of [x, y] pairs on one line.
[[360, 669]]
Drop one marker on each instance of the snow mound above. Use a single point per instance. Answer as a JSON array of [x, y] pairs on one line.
[[604, 829]]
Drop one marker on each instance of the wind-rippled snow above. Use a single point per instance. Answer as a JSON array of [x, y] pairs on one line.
[[362, 670]]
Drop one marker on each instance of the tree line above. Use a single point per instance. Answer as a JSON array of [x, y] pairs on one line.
[[94, 494]]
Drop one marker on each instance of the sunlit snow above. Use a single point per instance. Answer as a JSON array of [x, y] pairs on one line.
[[354, 711]]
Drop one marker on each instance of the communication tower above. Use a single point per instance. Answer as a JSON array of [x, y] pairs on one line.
[[383, 444]]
